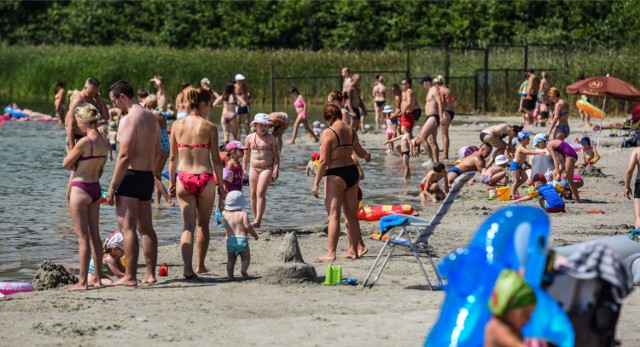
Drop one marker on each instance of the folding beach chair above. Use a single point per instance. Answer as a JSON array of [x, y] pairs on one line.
[[413, 233]]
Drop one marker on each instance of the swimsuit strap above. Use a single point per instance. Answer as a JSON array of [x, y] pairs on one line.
[[337, 137]]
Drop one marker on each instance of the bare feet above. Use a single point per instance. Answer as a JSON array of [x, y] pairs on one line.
[[244, 274], [189, 275], [291, 142], [77, 287], [349, 255], [202, 270], [255, 224], [231, 279], [363, 251], [169, 203], [125, 282], [328, 258], [150, 279]]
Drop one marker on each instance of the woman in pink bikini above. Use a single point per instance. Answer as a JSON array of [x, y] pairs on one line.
[[262, 148], [301, 110], [194, 143], [86, 160]]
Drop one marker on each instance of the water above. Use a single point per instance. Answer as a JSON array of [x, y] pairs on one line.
[[35, 224]]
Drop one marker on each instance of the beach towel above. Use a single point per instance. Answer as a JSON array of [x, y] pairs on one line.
[[388, 222]]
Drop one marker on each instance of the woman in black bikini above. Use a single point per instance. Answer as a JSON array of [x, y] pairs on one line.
[[86, 159], [341, 184]]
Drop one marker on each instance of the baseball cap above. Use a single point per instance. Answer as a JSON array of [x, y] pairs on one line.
[[387, 109], [315, 156], [585, 139], [537, 177], [239, 77], [234, 144], [522, 135], [234, 201], [539, 138], [501, 159], [205, 81]]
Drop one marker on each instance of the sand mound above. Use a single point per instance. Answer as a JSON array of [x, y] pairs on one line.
[[591, 171], [289, 267], [52, 275]]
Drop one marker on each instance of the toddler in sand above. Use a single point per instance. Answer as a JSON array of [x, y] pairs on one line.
[[550, 200], [312, 165], [512, 303], [406, 148], [432, 189], [238, 227], [589, 153], [113, 248], [496, 173], [519, 163]]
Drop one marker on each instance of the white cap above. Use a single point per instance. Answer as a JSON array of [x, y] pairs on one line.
[[501, 159], [234, 201], [205, 81], [239, 77]]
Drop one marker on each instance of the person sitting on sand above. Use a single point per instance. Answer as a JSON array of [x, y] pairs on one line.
[[589, 153], [341, 183], [512, 303], [432, 189], [86, 161], [113, 249], [312, 165], [519, 164], [634, 163], [473, 162], [238, 227], [494, 136], [496, 174], [406, 148], [549, 200]]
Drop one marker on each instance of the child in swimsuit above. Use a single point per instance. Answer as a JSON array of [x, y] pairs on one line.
[[520, 163], [549, 198], [512, 303], [406, 148], [432, 189], [496, 174], [589, 153], [232, 172], [391, 128], [113, 249], [312, 165], [238, 227], [262, 149]]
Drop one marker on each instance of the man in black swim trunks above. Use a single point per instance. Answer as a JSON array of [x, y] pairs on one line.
[[131, 187], [529, 103], [243, 91]]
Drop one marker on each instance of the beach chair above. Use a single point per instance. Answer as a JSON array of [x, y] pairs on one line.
[[413, 233]]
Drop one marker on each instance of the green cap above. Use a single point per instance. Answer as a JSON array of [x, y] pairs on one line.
[[510, 292]]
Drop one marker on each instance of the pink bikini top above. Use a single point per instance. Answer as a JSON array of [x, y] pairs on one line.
[[298, 104], [91, 156]]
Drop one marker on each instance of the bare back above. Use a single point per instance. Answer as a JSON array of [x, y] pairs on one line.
[[380, 92], [136, 132], [338, 144], [192, 137]]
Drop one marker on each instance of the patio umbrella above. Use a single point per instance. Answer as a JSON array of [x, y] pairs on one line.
[[604, 86]]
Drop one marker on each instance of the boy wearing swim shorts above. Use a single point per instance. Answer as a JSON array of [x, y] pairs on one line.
[[238, 227]]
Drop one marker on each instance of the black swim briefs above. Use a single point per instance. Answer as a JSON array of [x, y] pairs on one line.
[[242, 109], [136, 184], [636, 192]]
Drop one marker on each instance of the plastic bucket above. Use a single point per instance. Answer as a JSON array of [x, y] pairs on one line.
[[503, 193]]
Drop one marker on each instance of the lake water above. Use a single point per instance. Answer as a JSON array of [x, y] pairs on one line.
[[35, 224]]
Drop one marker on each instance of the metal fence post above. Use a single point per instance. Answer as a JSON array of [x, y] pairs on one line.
[[272, 87], [526, 57], [486, 80]]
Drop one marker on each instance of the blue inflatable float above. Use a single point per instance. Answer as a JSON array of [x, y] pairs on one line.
[[515, 238]]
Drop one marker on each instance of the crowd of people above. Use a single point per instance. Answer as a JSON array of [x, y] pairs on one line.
[[201, 165]]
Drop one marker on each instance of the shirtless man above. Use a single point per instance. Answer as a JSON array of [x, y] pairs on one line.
[[473, 162], [355, 105], [409, 104], [243, 92], [379, 94], [132, 184], [206, 85], [346, 80], [634, 163], [90, 94], [433, 110], [60, 104], [161, 93], [529, 103]]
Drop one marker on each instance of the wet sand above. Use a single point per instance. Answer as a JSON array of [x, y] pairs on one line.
[[398, 311]]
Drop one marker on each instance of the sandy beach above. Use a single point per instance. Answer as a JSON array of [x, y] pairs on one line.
[[398, 311]]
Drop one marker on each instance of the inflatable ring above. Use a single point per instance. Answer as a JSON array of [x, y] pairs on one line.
[[589, 109], [7, 288]]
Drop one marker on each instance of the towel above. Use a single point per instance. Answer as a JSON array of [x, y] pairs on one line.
[[390, 221]]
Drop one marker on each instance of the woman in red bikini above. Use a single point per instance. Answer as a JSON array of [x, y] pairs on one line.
[[194, 144], [341, 183], [262, 148], [86, 159]]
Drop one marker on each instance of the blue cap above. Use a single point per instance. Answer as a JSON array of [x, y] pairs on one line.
[[522, 135], [539, 138], [585, 139]]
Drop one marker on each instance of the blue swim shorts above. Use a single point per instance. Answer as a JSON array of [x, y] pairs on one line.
[[237, 244]]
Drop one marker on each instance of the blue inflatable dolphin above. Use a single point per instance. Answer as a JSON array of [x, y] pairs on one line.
[[515, 238]]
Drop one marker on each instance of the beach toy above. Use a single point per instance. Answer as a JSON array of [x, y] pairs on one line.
[[589, 109], [350, 281], [594, 160], [595, 212], [559, 186], [513, 237], [503, 193], [8, 288], [103, 196], [328, 277], [374, 213], [334, 275], [163, 270], [532, 192]]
